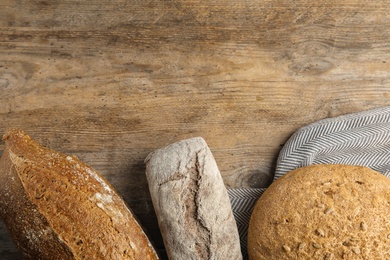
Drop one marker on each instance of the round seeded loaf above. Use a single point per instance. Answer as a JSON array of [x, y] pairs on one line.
[[323, 212]]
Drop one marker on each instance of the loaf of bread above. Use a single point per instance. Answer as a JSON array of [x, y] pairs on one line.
[[57, 207], [323, 212], [191, 203]]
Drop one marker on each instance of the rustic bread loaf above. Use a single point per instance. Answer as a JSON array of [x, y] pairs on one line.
[[191, 203], [323, 212], [57, 207]]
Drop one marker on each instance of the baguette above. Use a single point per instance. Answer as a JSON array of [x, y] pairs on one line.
[[57, 207], [191, 202]]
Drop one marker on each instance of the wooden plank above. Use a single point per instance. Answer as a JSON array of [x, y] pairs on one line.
[[111, 81]]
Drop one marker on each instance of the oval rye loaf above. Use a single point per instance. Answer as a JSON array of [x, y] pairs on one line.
[[57, 207]]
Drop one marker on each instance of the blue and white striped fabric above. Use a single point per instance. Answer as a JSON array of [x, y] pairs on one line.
[[356, 139], [243, 201]]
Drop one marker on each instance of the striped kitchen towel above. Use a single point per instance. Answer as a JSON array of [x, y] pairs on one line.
[[361, 138]]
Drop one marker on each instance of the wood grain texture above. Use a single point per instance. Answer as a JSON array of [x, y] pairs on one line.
[[111, 81]]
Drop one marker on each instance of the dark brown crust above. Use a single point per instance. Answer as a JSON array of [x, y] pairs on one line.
[[77, 207]]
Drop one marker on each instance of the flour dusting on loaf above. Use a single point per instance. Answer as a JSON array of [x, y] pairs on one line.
[[57, 206], [191, 202], [323, 212]]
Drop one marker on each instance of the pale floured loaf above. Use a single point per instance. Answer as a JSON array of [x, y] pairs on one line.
[[191, 203], [323, 212], [57, 207]]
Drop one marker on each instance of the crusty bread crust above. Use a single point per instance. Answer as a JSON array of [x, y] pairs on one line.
[[57, 207], [192, 203], [323, 212]]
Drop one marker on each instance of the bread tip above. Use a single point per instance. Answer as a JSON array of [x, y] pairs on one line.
[[191, 140], [13, 132]]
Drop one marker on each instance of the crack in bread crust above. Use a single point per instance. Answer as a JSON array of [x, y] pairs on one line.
[[80, 206]]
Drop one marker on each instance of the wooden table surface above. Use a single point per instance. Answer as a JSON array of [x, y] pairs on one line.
[[111, 81]]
